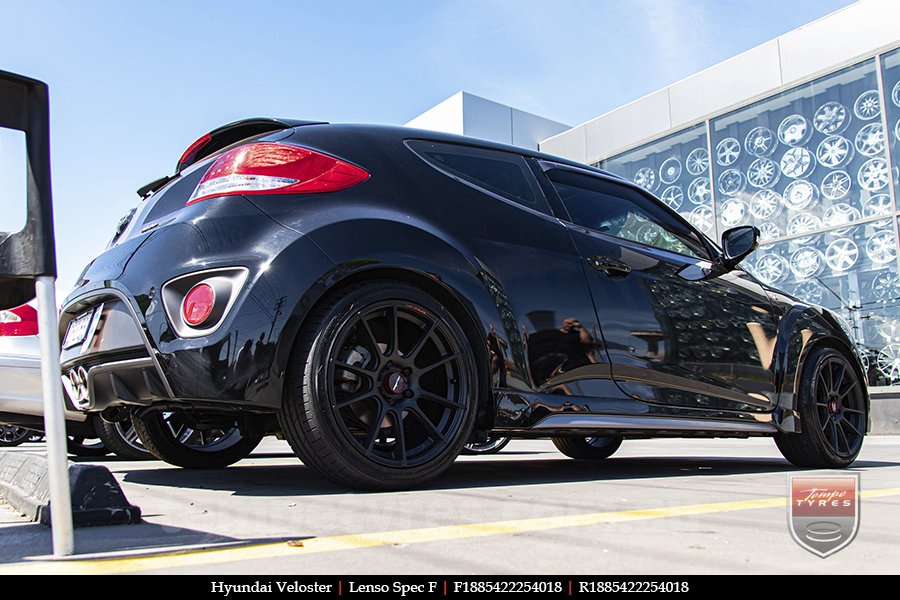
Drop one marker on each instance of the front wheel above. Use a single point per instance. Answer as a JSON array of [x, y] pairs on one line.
[[180, 441], [382, 388], [587, 448], [833, 414]]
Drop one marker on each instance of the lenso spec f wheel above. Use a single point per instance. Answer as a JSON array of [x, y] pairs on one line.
[[493, 445], [382, 388], [590, 448], [833, 413], [170, 437]]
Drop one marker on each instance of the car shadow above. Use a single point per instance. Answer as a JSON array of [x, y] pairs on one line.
[[298, 480], [28, 541]]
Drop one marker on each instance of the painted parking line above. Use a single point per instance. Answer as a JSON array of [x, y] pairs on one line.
[[337, 543]]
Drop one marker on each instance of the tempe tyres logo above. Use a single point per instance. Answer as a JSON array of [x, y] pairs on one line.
[[824, 512]]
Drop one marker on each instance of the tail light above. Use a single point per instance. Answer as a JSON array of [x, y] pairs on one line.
[[22, 320], [269, 168]]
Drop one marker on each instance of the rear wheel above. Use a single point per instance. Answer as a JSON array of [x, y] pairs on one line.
[[80, 445], [493, 445], [833, 414], [382, 388], [179, 441], [122, 439], [587, 448]]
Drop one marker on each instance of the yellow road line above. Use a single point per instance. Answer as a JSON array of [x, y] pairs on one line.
[[200, 558]]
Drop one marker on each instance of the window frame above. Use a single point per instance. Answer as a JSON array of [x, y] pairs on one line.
[[710, 249]]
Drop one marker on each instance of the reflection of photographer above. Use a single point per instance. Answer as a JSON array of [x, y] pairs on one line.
[[554, 351]]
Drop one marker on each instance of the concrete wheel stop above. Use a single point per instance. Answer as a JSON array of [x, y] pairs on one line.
[[97, 498]]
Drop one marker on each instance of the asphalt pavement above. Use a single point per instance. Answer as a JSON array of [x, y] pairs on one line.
[[657, 506]]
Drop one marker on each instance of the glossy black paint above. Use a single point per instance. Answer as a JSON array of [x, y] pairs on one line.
[[521, 282]]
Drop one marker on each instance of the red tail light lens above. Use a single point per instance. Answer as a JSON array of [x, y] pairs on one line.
[[22, 320], [198, 304], [267, 168]]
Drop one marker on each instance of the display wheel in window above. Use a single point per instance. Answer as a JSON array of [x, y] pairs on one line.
[[733, 212], [732, 182], [867, 105], [831, 118], [806, 263], [771, 268], [670, 170], [765, 204], [763, 173], [888, 329], [794, 130], [835, 185], [697, 161], [797, 163], [802, 223], [878, 204], [698, 191], [761, 141], [768, 232], [841, 214], [648, 233], [897, 130], [881, 248], [895, 94], [673, 197], [873, 174], [728, 151], [800, 194], [841, 254], [870, 140], [834, 152], [885, 287], [702, 218], [888, 362], [810, 291], [646, 178]]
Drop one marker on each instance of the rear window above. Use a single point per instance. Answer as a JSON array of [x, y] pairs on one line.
[[500, 173], [174, 196]]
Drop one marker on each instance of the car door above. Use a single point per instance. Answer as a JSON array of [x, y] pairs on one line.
[[678, 329]]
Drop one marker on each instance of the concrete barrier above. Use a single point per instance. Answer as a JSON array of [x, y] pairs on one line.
[[885, 413], [97, 498]]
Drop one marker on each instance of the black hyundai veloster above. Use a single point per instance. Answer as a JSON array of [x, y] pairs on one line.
[[382, 296]]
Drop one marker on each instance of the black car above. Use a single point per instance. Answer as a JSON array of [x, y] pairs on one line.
[[382, 296]]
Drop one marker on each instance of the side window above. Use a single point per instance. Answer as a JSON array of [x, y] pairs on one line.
[[500, 173], [622, 212]]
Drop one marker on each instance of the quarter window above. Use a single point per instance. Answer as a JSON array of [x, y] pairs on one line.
[[623, 212], [500, 173]]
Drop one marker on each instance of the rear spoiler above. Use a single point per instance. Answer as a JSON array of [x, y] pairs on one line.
[[220, 138]]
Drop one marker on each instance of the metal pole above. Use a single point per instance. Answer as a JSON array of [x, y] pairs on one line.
[[54, 419]]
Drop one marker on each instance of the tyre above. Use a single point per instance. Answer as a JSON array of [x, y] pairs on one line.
[[382, 388], [10, 435], [493, 445], [833, 412], [122, 439], [173, 438], [86, 447], [590, 448]]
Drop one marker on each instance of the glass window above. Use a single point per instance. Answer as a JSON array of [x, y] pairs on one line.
[[174, 196], [500, 173], [622, 212], [890, 64], [674, 168]]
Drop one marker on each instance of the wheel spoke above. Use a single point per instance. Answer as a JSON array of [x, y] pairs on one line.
[[834, 436], [836, 384], [370, 334], [426, 334], [851, 426], [131, 435], [393, 327], [424, 395], [441, 361], [400, 437], [849, 389], [853, 410], [354, 369], [354, 399], [430, 429], [842, 436], [375, 429], [827, 421]]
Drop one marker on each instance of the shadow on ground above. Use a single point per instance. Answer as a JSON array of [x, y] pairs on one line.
[[297, 480]]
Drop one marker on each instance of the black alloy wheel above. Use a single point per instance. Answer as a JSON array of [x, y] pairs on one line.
[[492, 445], [382, 393], [587, 448], [833, 413]]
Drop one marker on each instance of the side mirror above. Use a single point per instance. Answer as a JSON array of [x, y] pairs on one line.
[[737, 243]]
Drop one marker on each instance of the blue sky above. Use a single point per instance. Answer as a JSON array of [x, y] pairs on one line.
[[134, 83]]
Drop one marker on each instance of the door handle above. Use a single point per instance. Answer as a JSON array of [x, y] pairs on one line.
[[609, 266]]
